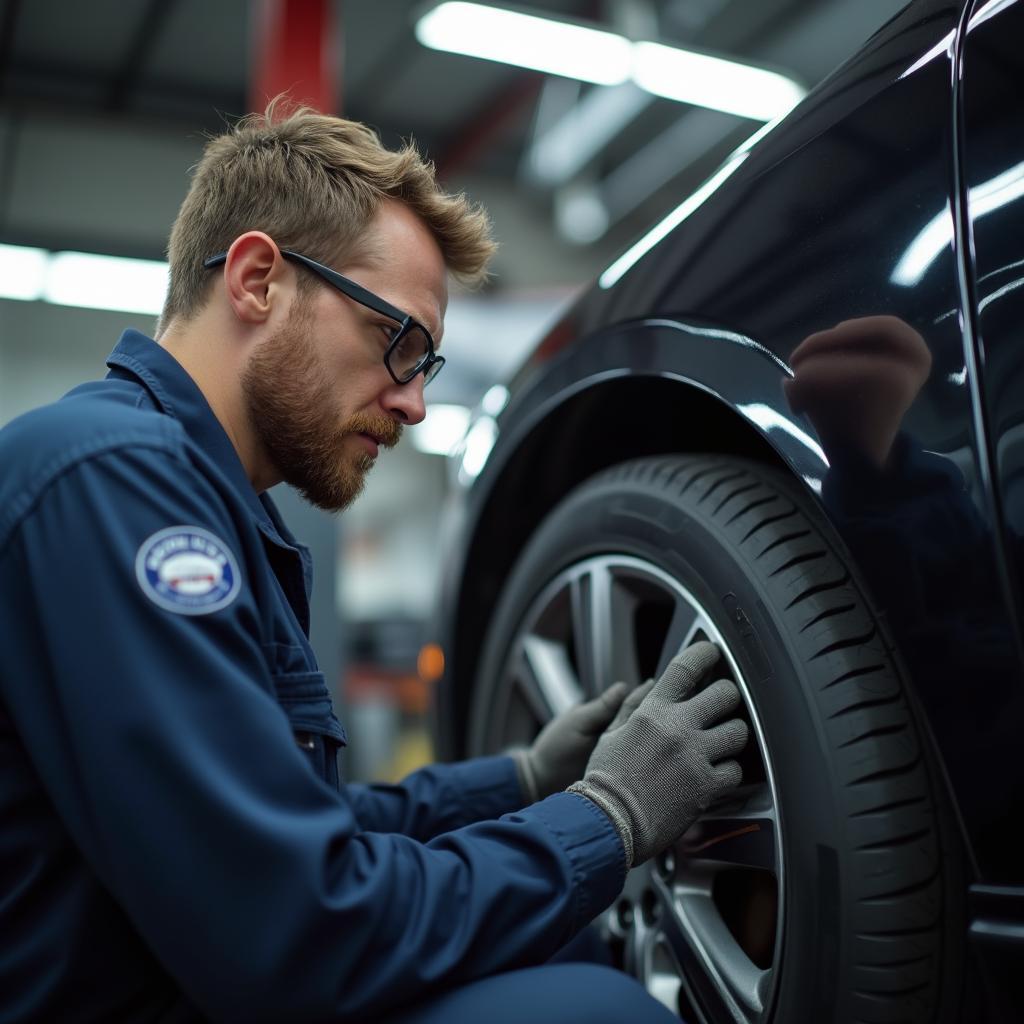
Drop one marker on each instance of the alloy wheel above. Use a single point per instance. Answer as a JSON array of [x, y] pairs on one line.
[[701, 926]]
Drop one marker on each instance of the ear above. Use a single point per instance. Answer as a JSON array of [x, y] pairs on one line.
[[255, 277]]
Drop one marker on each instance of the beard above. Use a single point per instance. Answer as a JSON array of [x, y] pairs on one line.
[[294, 408]]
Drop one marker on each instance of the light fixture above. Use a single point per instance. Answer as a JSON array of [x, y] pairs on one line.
[[605, 58], [580, 214], [567, 146], [22, 272], [705, 81], [83, 279], [540, 44], [106, 282], [477, 446], [442, 428], [495, 399]]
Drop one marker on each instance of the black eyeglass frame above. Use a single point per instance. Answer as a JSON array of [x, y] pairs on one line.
[[365, 297]]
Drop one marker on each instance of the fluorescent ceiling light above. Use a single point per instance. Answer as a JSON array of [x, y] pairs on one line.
[[106, 282], [580, 214], [495, 399], [22, 272], [605, 58], [541, 44], [477, 447], [441, 430], [706, 81], [83, 279], [565, 148]]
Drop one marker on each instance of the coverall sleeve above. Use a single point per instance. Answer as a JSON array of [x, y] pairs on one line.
[[176, 773], [439, 798]]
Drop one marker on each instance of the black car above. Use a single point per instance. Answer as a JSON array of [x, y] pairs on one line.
[[791, 420]]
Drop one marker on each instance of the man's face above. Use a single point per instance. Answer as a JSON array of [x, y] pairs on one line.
[[318, 394]]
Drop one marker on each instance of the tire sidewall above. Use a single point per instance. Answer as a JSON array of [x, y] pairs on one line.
[[618, 516]]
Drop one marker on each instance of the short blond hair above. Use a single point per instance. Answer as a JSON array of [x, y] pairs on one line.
[[312, 182]]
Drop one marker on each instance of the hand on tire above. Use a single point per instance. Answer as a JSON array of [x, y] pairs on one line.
[[662, 762], [560, 752]]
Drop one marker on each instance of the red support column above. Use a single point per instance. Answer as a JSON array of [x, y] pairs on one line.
[[295, 51]]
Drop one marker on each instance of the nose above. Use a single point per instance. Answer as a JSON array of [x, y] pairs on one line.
[[405, 401]]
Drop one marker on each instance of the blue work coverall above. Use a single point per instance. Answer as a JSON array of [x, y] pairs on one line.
[[176, 843]]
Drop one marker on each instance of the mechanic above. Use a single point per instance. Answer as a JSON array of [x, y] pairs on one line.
[[177, 844]]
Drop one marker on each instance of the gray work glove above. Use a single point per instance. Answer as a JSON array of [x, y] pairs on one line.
[[560, 752], [655, 772]]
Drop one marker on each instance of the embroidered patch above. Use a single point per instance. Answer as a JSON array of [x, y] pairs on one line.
[[188, 570]]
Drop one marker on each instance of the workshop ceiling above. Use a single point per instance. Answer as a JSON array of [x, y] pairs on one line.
[[109, 75]]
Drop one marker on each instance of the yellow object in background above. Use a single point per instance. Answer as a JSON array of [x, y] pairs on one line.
[[413, 750]]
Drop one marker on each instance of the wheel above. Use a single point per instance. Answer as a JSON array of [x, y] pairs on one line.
[[816, 892]]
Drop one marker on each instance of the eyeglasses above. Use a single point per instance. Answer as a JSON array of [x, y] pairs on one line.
[[411, 348]]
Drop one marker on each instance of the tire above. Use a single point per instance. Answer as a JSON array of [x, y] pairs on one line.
[[823, 890]]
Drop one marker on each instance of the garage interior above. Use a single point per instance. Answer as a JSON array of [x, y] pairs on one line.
[[105, 106], [889, 818]]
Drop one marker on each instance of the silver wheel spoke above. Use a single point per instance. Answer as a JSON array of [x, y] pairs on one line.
[[738, 832], [720, 977], [686, 624], [663, 975], [547, 679], [603, 632]]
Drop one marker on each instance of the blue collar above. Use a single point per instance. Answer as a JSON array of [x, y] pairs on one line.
[[176, 394]]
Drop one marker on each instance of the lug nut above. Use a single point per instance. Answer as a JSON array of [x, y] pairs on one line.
[[666, 864], [650, 907], [624, 915]]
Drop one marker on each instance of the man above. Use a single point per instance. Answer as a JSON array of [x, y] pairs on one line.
[[176, 842]]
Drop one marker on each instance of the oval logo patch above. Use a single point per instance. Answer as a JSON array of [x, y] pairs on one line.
[[187, 569]]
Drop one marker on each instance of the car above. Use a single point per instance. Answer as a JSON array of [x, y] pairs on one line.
[[790, 420]]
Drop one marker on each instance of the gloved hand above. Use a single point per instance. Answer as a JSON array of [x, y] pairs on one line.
[[654, 772], [560, 752]]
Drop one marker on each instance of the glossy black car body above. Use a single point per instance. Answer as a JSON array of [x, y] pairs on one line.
[[895, 188]]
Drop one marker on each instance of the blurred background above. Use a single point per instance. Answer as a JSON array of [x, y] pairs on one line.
[[579, 132]]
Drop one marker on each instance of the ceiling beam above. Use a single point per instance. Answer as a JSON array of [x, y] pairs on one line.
[[143, 40]]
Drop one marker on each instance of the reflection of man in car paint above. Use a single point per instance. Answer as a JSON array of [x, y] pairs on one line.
[[176, 842], [856, 381], [907, 516]]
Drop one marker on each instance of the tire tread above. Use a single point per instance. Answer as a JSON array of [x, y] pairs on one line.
[[892, 941], [864, 712]]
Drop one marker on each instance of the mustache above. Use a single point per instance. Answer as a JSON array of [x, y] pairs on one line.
[[387, 432]]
